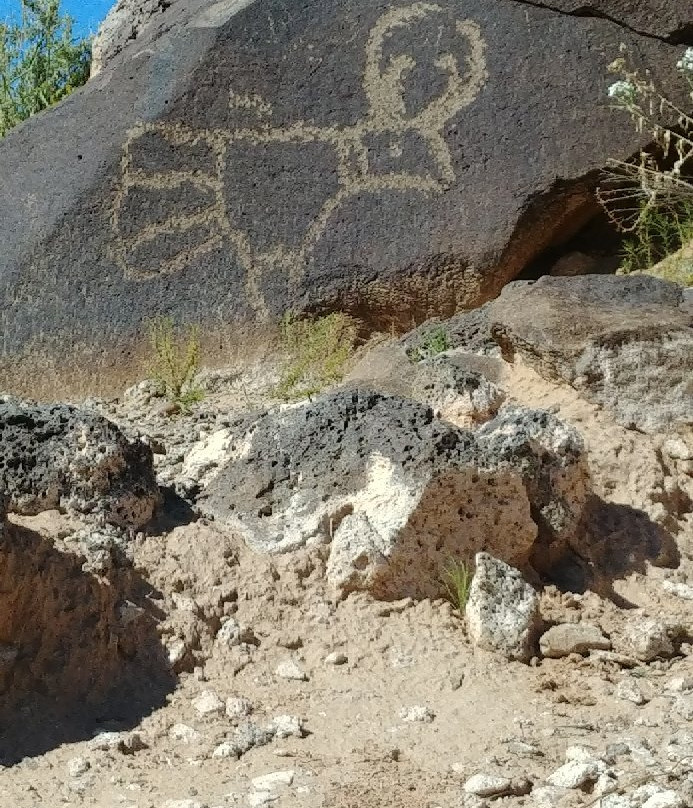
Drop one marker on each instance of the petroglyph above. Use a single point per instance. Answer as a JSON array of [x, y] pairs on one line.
[[180, 237]]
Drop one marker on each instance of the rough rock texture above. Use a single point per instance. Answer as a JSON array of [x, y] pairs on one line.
[[394, 493], [61, 457], [625, 343], [660, 18], [254, 157], [572, 638], [73, 644], [123, 23], [503, 610]]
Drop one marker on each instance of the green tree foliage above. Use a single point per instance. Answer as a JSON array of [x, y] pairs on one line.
[[40, 61]]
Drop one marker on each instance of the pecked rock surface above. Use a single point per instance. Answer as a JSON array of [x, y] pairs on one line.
[[623, 342], [255, 157], [58, 456], [391, 493]]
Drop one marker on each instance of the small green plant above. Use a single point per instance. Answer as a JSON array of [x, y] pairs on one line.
[[318, 352], [435, 342], [457, 580], [651, 198], [176, 362], [659, 232], [40, 61]]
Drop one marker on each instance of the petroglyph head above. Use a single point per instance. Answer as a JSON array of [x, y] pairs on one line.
[[422, 93]]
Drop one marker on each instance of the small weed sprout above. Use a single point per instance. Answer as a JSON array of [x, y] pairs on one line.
[[435, 342], [651, 198], [457, 580], [318, 351], [176, 362]]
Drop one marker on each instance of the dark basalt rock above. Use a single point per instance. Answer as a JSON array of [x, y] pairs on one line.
[[57, 456], [397, 160]]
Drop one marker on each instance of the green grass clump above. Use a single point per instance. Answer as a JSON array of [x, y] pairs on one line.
[[457, 580], [40, 61], [658, 235], [318, 352], [435, 342], [176, 362]]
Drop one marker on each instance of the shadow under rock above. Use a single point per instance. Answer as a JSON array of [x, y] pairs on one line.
[[616, 540], [174, 511], [79, 652]]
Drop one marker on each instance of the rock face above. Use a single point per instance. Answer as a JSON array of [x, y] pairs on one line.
[[124, 23], [623, 342], [393, 493], [254, 157], [503, 610], [62, 457]]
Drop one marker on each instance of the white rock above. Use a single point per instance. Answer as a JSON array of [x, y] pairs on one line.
[[184, 733], [238, 707], [417, 713], [574, 775], [547, 796], [208, 703], [258, 798], [183, 804], [683, 591], [502, 610], [646, 639], [227, 749], [336, 658], [288, 669], [286, 726], [680, 684], [229, 635], [176, 651], [78, 766], [125, 742], [273, 780], [572, 638], [628, 690], [684, 707], [205, 457], [665, 799], [487, 785]]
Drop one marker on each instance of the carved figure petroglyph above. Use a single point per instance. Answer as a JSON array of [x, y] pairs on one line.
[[211, 226]]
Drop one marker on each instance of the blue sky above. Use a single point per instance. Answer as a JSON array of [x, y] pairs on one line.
[[87, 14]]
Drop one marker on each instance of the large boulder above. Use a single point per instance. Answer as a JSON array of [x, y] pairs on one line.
[[238, 159], [392, 493], [57, 456], [625, 343]]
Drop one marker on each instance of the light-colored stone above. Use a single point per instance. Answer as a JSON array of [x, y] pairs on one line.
[[417, 713], [288, 669], [126, 742], [487, 785], [502, 610], [336, 658], [574, 775], [273, 780], [78, 766], [208, 703], [572, 638], [548, 796], [683, 591], [286, 726], [184, 733], [646, 639], [183, 804], [257, 799], [628, 690], [238, 707], [665, 799]]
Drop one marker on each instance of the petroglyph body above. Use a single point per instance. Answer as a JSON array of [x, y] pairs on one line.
[[208, 167]]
